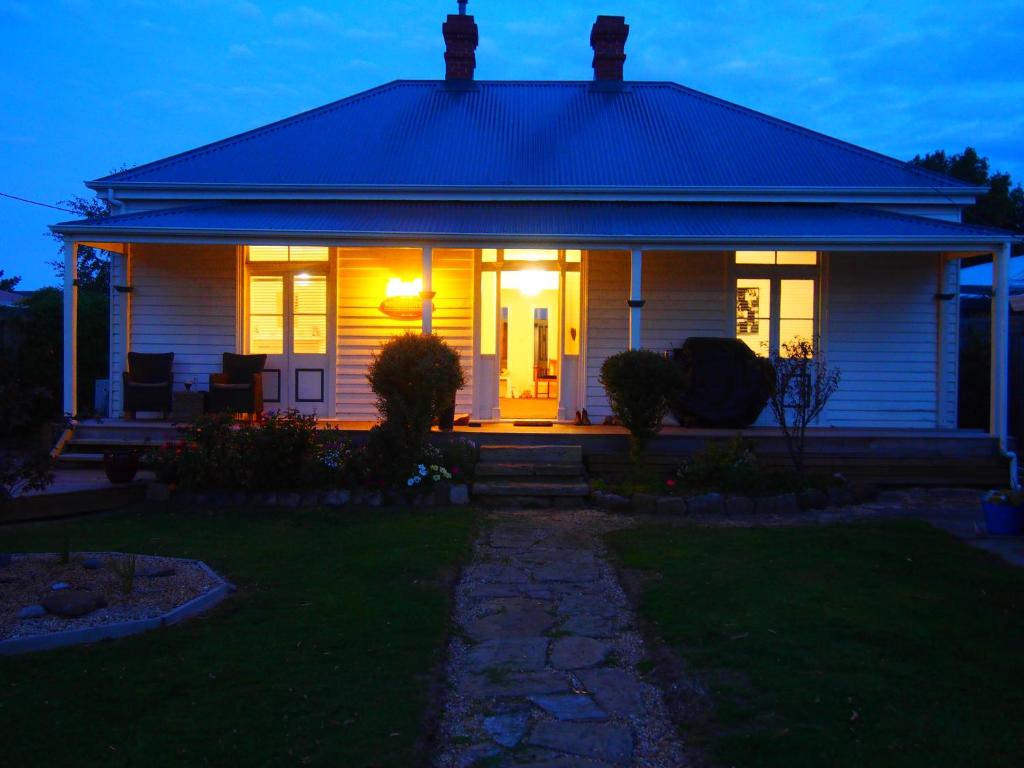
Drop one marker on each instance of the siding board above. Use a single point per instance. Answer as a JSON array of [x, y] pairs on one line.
[[362, 277], [183, 301]]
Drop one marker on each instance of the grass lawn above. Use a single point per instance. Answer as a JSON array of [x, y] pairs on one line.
[[323, 657], [881, 644]]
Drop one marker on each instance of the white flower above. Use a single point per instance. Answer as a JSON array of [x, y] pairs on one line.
[[409, 481], [436, 478]]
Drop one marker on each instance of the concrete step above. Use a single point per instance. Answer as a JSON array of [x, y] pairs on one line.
[[71, 459], [531, 454], [530, 469], [528, 487], [140, 431], [113, 444]]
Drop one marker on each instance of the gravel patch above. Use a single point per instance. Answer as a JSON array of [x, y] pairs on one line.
[[161, 584]]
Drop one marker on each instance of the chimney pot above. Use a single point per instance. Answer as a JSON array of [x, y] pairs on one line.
[[460, 38], [608, 39]]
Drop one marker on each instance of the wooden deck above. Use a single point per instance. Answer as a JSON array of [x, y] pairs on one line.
[[883, 456]]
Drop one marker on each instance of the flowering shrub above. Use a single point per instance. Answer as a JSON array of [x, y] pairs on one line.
[[344, 465], [460, 456], [426, 474], [281, 452]]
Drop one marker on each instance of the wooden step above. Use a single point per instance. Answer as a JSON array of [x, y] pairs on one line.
[[70, 459], [528, 487], [531, 454], [530, 469]]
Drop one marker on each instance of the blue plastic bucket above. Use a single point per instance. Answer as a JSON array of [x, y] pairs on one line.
[[1003, 519]]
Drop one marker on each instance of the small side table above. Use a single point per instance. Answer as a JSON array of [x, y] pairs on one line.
[[187, 405]]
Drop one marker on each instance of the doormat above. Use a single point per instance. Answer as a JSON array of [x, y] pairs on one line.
[[532, 424]]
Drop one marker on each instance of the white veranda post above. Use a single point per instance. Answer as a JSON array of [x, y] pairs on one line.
[[636, 301], [70, 326], [1000, 342], [428, 290]]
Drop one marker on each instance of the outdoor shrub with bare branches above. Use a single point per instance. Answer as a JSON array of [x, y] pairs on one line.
[[804, 382]]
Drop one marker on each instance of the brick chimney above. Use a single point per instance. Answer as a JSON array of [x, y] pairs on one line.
[[460, 39], [608, 39]]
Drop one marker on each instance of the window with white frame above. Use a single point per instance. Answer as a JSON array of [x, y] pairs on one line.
[[776, 299]]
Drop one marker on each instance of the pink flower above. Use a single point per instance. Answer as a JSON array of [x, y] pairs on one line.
[[670, 483]]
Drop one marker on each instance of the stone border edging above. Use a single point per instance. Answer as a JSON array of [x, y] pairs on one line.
[[735, 504], [195, 606]]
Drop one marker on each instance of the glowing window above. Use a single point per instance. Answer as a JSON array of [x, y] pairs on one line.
[[488, 312], [573, 257], [272, 253], [266, 315], [753, 313], [309, 305], [530, 254], [803, 258], [572, 313], [796, 313]]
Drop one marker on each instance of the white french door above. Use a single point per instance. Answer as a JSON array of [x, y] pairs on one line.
[[289, 320]]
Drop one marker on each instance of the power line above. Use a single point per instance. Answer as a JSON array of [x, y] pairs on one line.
[[36, 202]]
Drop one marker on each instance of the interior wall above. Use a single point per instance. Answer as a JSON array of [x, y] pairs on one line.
[[520, 342]]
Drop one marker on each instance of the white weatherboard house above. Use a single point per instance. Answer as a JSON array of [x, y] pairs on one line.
[[540, 227]]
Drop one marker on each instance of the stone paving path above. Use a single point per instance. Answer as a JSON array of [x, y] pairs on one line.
[[542, 667]]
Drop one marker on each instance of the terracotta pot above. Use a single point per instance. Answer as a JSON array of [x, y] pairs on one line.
[[120, 466]]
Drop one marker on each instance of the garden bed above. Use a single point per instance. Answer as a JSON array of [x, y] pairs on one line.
[[44, 596]]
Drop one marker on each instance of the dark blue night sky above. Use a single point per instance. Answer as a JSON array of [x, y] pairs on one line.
[[92, 85]]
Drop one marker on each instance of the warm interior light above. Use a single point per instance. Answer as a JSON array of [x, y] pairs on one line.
[[530, 282], [398, 287]]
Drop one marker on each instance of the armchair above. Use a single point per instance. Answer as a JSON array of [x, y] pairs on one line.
[[147, 383], [239, 386]]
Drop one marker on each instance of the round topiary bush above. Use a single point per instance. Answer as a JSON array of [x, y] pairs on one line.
[[638, 383], [415, 378], [722, 383]]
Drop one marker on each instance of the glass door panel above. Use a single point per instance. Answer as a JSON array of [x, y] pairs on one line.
[[266, 314], [796, 313], [753, 313]]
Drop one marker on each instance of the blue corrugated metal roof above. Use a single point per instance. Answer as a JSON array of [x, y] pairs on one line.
[[563, 222], [535, 135]]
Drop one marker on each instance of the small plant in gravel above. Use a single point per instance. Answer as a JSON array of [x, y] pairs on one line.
[[124, 568]]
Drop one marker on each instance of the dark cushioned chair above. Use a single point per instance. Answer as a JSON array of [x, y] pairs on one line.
[[148, 382], [239, 386]]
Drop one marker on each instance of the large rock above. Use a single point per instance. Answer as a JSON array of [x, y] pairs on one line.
[[507, 729], [337, 498], [724, 383], [570, 706], [514, 622], [616, 690], [524, 684], [706, 504], [600, 741], [613, 502], [72, 603], [518, 654], [459, 495], [578, 652], [32, 612]]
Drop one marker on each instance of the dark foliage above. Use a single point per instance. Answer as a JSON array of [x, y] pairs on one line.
[[722, 383], [1002, 206], [638, 383], [37, 362], [93, 264], [415, 378], [19, 472], [281, 452], [8, 283]]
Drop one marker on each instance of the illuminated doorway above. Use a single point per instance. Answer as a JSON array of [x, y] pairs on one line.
[[529, 338]]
